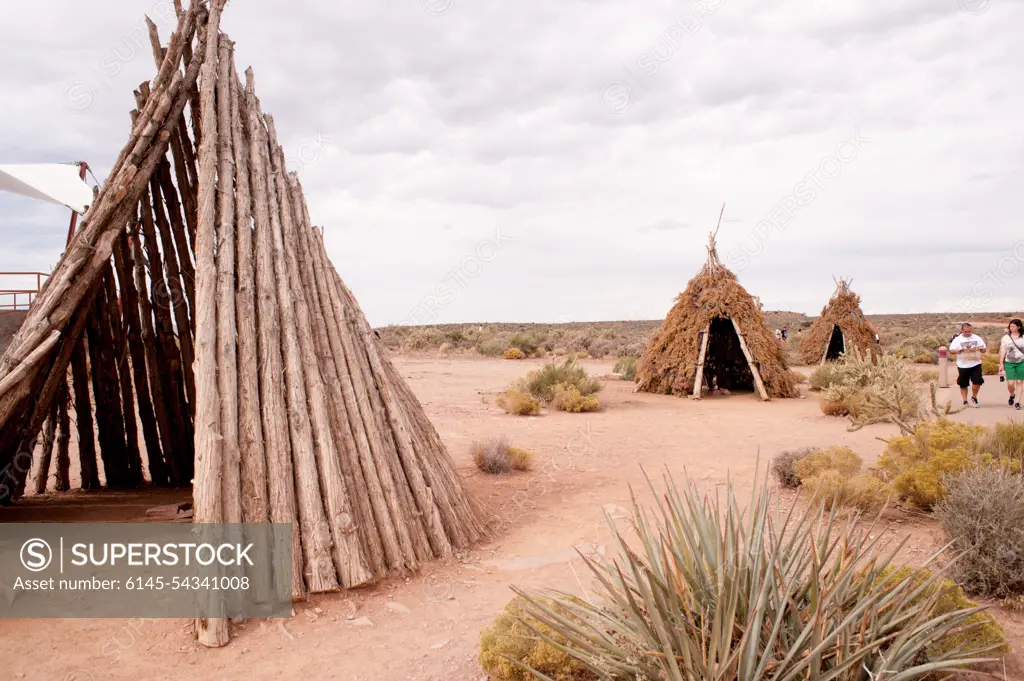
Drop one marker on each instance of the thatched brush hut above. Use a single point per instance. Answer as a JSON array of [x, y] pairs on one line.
[[840, 328], [715, 337]]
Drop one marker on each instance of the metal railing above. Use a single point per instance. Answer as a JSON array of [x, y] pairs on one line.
[[16, 299]]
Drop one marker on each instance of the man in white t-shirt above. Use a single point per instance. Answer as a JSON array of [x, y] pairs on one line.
[[967, 349]]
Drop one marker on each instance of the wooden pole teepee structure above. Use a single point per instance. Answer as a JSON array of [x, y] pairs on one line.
[[206, 336]]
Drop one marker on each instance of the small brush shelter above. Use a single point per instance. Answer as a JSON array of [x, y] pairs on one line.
[[840, 328], [715, 337], [196, 330]]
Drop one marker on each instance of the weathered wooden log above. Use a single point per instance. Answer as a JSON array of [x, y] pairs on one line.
[[252, 459], [227, 325], [154, 355], [206, 492], [175, 298], [106, 395], [42, 474], [280, 472], [347, 552], [124, 266], [332, 362], [319, 572], [63, 482], [83, 418], [119, 354]]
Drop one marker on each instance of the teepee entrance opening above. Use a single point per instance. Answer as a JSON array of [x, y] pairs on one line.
[[836, 345], [725, 366]]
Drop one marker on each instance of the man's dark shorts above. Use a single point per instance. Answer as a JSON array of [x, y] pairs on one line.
[[967, 376]]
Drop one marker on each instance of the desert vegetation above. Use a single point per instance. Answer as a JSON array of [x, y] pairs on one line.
[[789, 595], [563, 386], [497, 456]]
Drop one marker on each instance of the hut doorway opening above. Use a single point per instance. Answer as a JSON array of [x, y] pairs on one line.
[[725, 365], [836, 344]]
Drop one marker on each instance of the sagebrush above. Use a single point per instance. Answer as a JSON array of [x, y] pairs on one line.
[[982, 514], [625, 367], [497, 456], [519, 403]]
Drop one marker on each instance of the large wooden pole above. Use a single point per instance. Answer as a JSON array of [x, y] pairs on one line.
[[758, 383], [63, 483], [83, 417], [227, 325], [698, 382], [212, 632], [280, 472]]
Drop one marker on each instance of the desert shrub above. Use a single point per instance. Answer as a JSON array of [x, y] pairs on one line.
[[582, 355], [455, 336], [492, 347], [445, 348], [823, 376], [927, 376], [516, 635], [982, 514], [567, 397], [720, 588], [916, 464], [882, 392], [496, 456], [514, 353], [526, 342], [519, 403], [799, 377], [541, 383], [842, 460], [990, 365], [782, 466], [833, 408], [600, 348], [982, 631], [915, 346], [1005, 440], [926, 358], [422, 339], [625, 367], [864, 492], [560, 352], [635, 349]]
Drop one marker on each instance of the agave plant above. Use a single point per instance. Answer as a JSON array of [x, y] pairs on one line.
[[715, 592]]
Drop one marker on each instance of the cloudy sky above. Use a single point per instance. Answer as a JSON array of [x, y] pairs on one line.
[[565, 161]]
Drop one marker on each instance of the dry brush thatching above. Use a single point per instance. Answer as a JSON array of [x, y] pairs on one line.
[[669, 365], [843, 310]]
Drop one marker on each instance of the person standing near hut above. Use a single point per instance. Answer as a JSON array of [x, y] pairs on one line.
[[1011, 359], [968, 348]]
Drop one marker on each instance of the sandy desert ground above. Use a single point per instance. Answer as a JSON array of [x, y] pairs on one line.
[[426, 627]]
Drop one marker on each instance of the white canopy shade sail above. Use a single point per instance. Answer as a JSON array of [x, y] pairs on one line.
[[52, 182]]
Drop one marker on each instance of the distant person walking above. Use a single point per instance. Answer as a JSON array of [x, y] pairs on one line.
[[1011, 358], [968, 348]]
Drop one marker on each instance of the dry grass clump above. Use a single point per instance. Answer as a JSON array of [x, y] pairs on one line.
[[1005, 440], [519, 403], [927, 376], [824, 376], [514, 353], [625, 367], [982, 514], [926, 358], [492, 347], [989, 364], [669, 365], [919, 463], [782, 466], [843, 310], [732, 590], [567, 397], [834, 408], [497, 456], [517, 635], [921, 344], [842, 460]]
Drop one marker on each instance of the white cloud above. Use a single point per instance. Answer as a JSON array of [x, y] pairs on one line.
[[436, 129]]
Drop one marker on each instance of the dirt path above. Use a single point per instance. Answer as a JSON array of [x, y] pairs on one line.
[[427, 627]]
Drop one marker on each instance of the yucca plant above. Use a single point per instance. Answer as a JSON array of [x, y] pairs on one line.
[[713, 592]]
